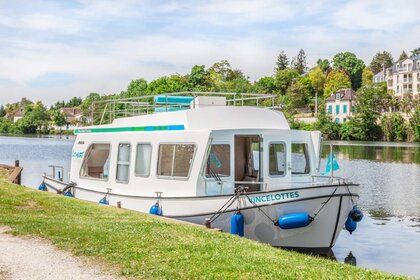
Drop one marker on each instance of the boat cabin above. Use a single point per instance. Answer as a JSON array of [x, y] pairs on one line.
[[205, 151]]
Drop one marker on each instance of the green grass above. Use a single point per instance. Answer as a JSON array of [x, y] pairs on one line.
[[145, 246]]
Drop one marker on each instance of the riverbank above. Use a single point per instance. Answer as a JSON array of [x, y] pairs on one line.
[[145, 246]]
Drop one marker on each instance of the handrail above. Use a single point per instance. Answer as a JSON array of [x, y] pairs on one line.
[[140, 105]]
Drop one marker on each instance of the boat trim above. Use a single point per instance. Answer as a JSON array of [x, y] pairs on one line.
[[131, 129]]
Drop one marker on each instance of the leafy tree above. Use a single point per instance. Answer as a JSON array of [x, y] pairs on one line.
[[369, 105], [348, 62], [86, 107], [336, 79], [174, 83], [284, 78], [297, 95], [324, 65], [415, 52], [2, 111], [299, 63], [35, 119], [328, 128], [265, 85], [317, 77], [415, 124], [380, 61], [403, 56], [198, 77], [5, 125], [59, 119], [136, 87], [367, 76], [282, 62], [74, 102], [394, 127]]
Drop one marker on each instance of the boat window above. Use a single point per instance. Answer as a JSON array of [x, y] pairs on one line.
[[300, 158], [175, 160], [255, 148], [218, 162], [277, 159], [143, 156], [123, 163], [96, 162]]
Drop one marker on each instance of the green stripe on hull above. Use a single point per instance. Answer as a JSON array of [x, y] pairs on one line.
[[130, 129]]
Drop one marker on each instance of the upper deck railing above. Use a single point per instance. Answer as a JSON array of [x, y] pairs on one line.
[[105, 111]]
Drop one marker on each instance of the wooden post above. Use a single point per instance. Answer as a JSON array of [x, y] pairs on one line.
[[19, 177]]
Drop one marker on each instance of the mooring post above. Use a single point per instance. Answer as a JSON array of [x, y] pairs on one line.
[[18, 178]]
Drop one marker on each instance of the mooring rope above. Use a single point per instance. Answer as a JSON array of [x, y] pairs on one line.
[[325, 203], [221, 211]]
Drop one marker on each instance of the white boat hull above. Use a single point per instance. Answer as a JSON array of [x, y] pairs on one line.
[[255, 207]]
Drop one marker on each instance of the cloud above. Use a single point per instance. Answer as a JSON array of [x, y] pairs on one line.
[[55, 50]]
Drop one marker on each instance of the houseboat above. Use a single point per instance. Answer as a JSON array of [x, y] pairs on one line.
[[210, 159]]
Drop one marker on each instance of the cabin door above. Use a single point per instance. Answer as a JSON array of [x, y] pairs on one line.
[[248, 161]]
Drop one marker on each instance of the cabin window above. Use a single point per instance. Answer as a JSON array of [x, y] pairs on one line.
[[123, 163], [218, 162], [175, 160], [277, 159], [96, 162], [300, 158], [143, 157]]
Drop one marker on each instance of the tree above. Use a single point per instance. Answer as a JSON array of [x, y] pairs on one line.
[[284, 79], [2, 111], [324, 65], [265, 85], [136, 87], [299, 64], [336, 79], [59, 119], [415, 52], [198, 77], [74, 102], [415, 124], [394, 127], [348, 62], [369, 105], [381, 61], [403, 56], [317, 77], [35, 118], [367, 77], [297, 96], [282, 62]]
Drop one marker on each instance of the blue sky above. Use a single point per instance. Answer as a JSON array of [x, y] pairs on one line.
[[53, 50]]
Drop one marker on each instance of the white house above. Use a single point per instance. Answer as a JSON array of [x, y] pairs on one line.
[[340, 104]]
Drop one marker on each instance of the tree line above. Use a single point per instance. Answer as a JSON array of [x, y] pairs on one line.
[[296, 86]]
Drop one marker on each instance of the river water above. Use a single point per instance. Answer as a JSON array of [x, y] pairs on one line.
[[388, 238]]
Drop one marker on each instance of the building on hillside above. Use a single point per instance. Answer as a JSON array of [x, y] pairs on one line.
[[340, 104], [403, 77], [15, 116], [379, 77], [73, 116]]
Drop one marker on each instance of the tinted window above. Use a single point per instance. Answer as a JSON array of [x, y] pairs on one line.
[[175, 160], [123, 163], [218, 162], [300, 159], [143, 157], [277, 159]]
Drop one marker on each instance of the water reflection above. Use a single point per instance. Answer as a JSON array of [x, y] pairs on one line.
[[403, 153], [350, 259]]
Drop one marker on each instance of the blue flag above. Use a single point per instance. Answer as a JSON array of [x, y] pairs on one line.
[[335, 166]]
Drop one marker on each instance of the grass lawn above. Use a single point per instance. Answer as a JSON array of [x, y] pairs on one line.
[[145, 246]]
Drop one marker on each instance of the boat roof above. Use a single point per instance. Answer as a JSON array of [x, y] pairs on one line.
[[206, 118]]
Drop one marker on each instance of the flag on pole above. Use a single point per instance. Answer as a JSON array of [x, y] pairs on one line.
[[334, 164]]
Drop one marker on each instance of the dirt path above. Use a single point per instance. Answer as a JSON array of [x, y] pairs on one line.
[[32, 258]]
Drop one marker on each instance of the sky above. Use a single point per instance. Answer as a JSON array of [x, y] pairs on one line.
[[54, 50]]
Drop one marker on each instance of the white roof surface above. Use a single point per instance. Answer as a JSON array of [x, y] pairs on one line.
[[211, 118]]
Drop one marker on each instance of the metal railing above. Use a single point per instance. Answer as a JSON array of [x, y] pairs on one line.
[[105, 111]]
